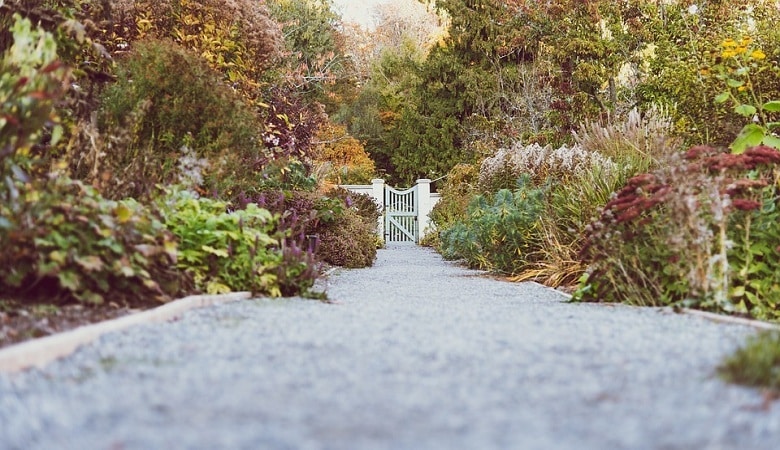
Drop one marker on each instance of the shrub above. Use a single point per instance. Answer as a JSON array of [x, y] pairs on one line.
[[348, 241], [345, 158], [363, 204], [236, 37], [63, 240], [242, 250], [345, 236], [501, 232], [166, 98], [757, 364], [457, 191], [699, 233]]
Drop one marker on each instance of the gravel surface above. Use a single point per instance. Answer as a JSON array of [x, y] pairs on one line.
[[417, 353]]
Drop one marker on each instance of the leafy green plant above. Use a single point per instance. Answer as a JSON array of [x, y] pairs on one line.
[[63, 240], [756, 364], [241, 250], [501, 232], [743, 61]]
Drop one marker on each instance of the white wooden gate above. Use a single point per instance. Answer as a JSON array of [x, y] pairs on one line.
[[405, 213], [401, 208]]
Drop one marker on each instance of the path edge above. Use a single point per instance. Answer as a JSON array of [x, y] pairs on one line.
[[712, 317], [41, 351]]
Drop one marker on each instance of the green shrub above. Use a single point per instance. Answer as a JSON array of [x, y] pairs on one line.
[[501, 233], [62, 240], [243, 250], [757, 364], [457, 191], [167, 98], [700, 233]]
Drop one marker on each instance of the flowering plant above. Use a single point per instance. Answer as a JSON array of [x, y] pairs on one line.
[[739, 60]]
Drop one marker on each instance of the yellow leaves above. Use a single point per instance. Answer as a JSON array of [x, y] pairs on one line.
[[123, 213], [215, 287]]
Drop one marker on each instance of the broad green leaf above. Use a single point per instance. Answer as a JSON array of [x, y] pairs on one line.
[[772, 106], [750, 136], [771, 141], [738, 291], [90, 297], [735, 83], [69, 280], [745, 110], [171, 250], [722, 97], [56, 134]]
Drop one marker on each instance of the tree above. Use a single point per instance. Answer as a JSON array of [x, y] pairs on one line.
[[316, 60]]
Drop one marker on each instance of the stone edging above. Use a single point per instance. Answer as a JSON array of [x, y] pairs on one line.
[[41, 351], [713, 317]]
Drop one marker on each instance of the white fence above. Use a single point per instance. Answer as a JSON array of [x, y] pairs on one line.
[[424, 201]]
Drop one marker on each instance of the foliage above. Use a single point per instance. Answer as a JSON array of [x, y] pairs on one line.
[[62, 240], [342, 230], [501, 232], [363, 204], [457, 191], [373, 118], [743, 62], [31, 82], [636, 142], [243, 250], [684, 58], [315, 46], [237, 38], [756, 364], [345, 158], [699, 233], [166, 98]]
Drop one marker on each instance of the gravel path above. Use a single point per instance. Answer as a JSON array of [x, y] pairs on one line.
[[417, 354]]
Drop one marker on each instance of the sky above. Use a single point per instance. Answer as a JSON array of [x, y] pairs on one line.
[[357, 10]]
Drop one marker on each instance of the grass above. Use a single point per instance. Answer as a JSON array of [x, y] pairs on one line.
[[757, 364]]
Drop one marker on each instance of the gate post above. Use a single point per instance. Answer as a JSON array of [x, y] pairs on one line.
[[425, 207], [378, 193]]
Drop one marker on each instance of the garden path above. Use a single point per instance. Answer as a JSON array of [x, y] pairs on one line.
[[415, 353]]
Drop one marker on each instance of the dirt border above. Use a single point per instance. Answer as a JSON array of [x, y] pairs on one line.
[[41, 351]]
